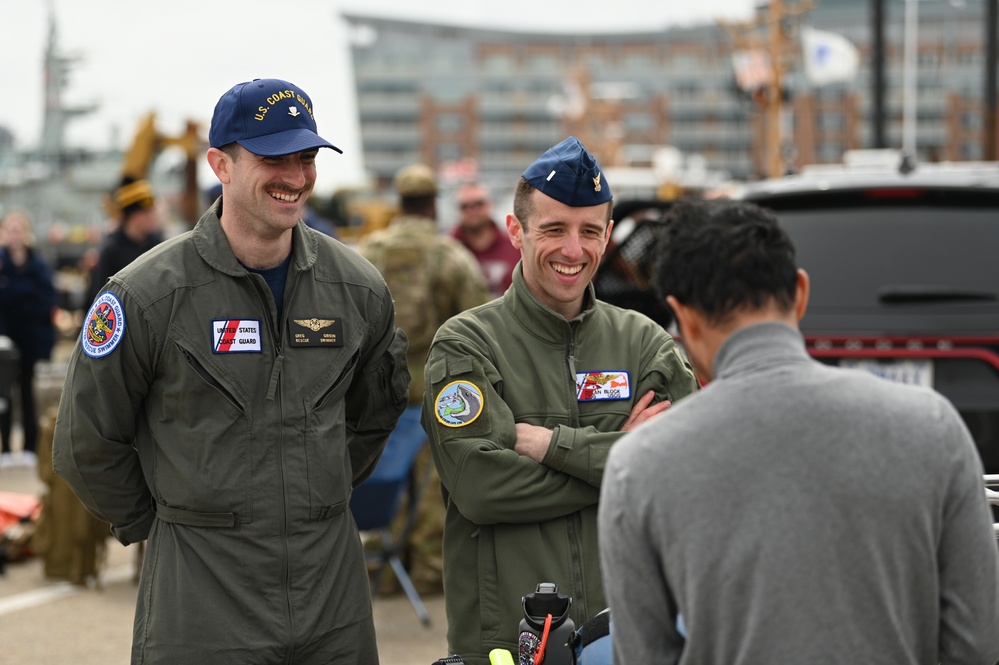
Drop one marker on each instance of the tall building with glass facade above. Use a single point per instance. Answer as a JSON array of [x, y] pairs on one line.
[[451, 95]]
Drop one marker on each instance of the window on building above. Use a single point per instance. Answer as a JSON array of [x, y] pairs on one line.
[[543, 63], [830, 153], [970, 58], [831, 122], [971, 150], [684, 91], [971, 121], [638, 63], [448, 152], [685, 62], [639, 123], [928, 59], [594, 62], [497, 63], [450, 123]]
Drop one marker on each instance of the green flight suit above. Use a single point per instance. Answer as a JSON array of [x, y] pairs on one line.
[[231, 435], [512, 522]]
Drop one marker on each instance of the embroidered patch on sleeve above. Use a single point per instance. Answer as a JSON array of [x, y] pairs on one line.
[[458, 404], [104, 326], [603, 385]]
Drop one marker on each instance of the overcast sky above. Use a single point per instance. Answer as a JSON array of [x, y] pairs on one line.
[[177, 57]]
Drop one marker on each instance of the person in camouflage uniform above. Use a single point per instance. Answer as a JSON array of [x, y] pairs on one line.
[[432, 277]]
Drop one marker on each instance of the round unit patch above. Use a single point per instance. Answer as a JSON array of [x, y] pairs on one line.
[[104, 326], [458, 404]]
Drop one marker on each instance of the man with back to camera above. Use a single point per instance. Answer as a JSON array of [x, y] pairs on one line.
[[791, 512], [525, 395], [490, 244], [230, 387]]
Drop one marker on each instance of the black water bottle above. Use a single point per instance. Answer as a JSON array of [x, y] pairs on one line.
[[545, 602]]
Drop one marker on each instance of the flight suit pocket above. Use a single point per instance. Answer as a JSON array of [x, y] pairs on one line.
[[327, 461], [206, 465]]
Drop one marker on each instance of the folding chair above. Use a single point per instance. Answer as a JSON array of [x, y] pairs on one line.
[[376, 502]]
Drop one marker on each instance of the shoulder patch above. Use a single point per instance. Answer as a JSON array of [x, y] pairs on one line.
[[104, 326], [458, 404]]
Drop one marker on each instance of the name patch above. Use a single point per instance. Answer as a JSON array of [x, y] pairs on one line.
[[316, 331], [603, 385], [236, 336]]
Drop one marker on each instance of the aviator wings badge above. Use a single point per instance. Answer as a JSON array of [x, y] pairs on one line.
[[314, 324]]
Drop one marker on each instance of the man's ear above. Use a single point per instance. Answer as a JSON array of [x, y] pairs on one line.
[[801, 291], [687, 319], [219, 162], [515, 230]]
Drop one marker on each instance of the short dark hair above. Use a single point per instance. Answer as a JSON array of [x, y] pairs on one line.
[[523, 206], [720, 256]]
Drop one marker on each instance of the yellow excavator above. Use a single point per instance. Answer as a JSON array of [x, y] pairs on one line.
[[149, 142]]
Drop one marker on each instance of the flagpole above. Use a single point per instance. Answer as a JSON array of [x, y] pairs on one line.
[[775, 101], [909, 80]]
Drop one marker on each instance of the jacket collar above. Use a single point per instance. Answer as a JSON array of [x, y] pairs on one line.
[[757, 346], [213, 246], [536, 317]]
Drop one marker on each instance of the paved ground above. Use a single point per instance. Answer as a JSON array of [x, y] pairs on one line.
[[53, 623], [45, 622]]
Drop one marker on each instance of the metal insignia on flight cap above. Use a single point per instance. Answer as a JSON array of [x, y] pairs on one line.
[[596, 182], [314, 324]]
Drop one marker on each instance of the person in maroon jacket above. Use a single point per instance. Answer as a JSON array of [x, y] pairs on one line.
[[488, 241]]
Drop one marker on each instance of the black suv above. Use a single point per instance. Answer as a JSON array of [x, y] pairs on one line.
[[904, 266]]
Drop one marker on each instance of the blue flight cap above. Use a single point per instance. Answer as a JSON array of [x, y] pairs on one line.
[[268, 117], [570, 174]]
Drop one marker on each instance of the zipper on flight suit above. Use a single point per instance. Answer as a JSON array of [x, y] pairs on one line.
[[574, 388], [209, 379], [571, 523], [274, 325]]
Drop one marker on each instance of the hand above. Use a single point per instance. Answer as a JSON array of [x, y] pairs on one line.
[[532, 441], [642, 411]]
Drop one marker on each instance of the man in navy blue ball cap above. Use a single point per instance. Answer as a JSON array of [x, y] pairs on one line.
[[525, 396], [229, 389], [268, 117]]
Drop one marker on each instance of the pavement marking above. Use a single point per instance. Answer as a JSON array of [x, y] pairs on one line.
[[59, 590]]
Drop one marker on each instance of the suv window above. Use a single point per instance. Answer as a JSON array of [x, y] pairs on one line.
[[908, 262], [904, 274]]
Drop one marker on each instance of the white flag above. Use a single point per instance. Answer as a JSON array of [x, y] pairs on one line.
[[828, 57]]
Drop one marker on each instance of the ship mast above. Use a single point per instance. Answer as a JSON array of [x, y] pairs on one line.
[[57, 115]]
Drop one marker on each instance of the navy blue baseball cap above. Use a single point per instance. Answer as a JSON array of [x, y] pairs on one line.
[[568, 173], [268, 117]]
